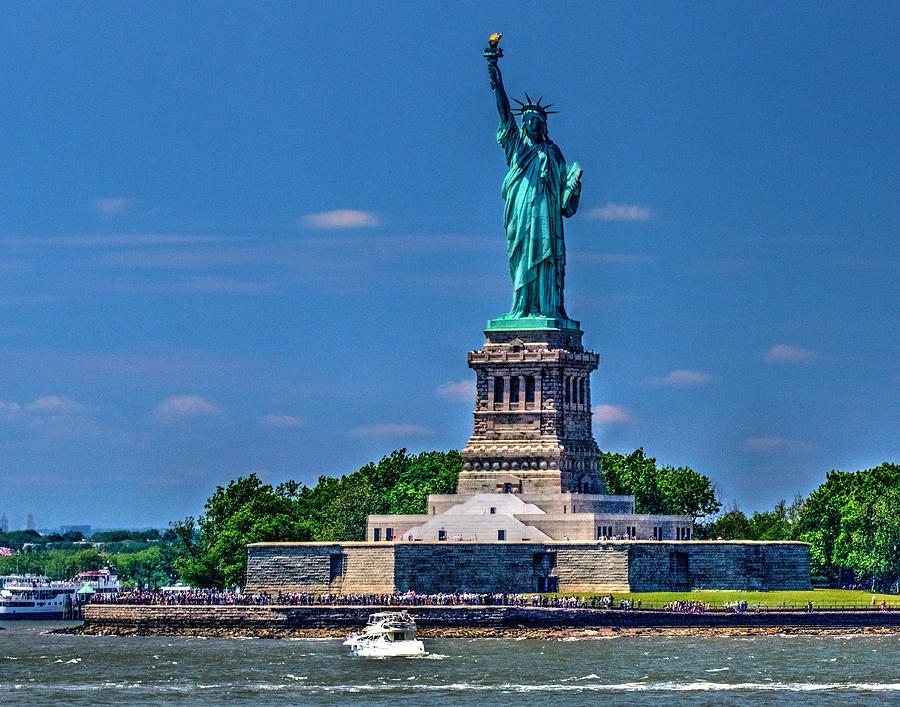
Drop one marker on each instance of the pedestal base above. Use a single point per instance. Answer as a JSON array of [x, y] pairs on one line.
[[532, 423]]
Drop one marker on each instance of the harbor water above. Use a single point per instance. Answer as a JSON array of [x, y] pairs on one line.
[[37, 667]]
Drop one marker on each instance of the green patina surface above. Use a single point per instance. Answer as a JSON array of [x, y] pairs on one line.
[[540, 189], [528, 323]]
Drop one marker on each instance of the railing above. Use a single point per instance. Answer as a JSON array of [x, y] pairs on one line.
[[753, 606]]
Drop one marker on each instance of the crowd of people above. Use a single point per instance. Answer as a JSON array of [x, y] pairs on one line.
[[412, 599], [194, 597], [211, 597], [686, 607]]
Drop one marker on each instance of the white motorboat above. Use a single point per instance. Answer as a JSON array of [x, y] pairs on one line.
[[388, 634]]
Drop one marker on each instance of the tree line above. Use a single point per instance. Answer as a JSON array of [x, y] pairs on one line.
[[852, 521]]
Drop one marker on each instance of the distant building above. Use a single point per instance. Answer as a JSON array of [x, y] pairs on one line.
[[85, 530], [4, 524], [30, 525]]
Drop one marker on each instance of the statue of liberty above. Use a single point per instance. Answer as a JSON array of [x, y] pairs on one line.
[[539, 189]]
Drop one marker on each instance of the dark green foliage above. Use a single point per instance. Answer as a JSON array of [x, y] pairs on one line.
[[211, 550], [146, 568], [733, 525], [852, 522], [17, 538], [336, 509], [423, 475], [56, 564], [29, 563], [778, 524], [117, 536], [247, 511], [666, 490]]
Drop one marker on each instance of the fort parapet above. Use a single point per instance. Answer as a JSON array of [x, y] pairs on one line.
[[596, 567]]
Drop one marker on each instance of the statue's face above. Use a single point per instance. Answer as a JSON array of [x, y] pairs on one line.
[[535, 127]]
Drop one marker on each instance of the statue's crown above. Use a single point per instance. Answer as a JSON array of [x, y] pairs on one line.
[[533, 107]]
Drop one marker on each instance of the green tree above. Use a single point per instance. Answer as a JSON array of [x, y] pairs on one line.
[[336, 509], [247, 511], [669, 490], [685, 492], [426, 474], [635, 475], [28, 563], [773, 525], [211, 551], [733, 525], [17, 538], [848, 523], [65, 564], [146, 568]]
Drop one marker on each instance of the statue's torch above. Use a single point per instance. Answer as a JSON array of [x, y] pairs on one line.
[[493, 52]]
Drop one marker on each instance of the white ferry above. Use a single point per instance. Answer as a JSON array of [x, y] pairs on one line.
[[35, 598], [101, 581], [389, 634]]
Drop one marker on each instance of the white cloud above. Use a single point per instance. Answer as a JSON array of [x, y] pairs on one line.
[[683, 378], [341, 218], [783, 353], [113, 240], [280, 421], [620, 212], [390, 429], [611, 415], [9, 409], [463, 391], [771, 445], [55, 405], [55, 417], [112, 205], [183, 406]]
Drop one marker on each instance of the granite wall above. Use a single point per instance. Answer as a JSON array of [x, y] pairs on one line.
[[606, 566]]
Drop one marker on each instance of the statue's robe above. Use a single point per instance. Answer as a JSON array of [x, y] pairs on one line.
[[538, 193]]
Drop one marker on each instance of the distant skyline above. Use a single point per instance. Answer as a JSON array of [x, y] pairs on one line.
[[242, 238]]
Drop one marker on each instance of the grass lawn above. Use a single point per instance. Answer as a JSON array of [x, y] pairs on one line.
[[821, 598]]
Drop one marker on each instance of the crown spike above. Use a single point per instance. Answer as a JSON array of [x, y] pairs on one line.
[[532, 106]]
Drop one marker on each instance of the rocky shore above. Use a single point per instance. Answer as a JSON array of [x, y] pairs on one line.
[[89, 629], [468, 621]]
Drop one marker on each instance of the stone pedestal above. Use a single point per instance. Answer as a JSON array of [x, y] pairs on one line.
[[532, 415]]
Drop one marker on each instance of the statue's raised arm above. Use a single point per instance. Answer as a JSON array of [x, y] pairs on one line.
[[492, 54]]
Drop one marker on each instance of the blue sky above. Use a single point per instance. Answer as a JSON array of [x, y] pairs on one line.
[[261, 237]]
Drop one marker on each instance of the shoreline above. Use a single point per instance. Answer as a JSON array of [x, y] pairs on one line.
[[466, 622], [514, 633]]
